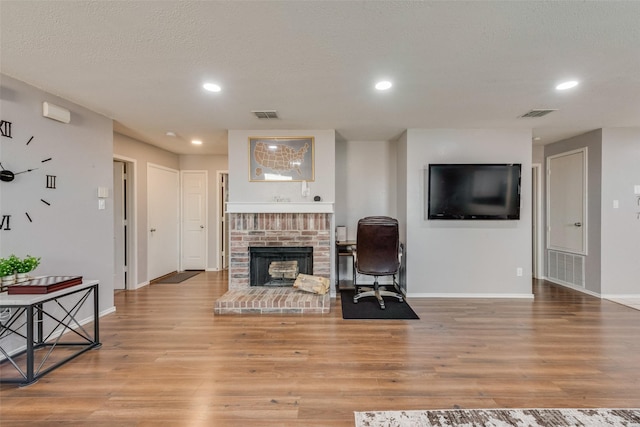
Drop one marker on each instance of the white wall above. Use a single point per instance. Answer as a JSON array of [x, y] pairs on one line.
[[401, 201], [71, 236], [621, 226], [367, 184], [241, 190], [467, 258]]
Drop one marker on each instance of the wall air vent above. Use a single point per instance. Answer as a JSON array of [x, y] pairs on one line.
[[266, 114], [566, 268], [536, 113]]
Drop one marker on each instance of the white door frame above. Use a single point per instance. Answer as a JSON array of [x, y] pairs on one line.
[[538, 236], [132, 221], [221, 225]]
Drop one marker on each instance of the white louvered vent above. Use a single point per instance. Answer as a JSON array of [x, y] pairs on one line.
[[266, 114], [566, 268], [536, 113]]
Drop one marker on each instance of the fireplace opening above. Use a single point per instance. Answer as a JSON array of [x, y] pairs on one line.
[[277, 265]]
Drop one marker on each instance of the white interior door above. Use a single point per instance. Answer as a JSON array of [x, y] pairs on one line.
[[194, 220], [567, 201], [163, 224], [119, 226]]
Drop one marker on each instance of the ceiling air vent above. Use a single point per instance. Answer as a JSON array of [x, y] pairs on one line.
[[537, 113], [266, 114]]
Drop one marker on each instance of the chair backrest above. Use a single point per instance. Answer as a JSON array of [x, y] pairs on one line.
[[377, 246]]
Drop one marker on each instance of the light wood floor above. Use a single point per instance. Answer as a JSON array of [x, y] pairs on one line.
[[166, 360]]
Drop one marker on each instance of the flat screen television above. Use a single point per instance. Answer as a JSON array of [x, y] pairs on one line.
[[474, 191]]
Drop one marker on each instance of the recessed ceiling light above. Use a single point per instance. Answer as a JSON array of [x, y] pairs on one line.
[[170, 133], [536, 138], [212, 87], [567, 85], [196, 142], [384, 85]]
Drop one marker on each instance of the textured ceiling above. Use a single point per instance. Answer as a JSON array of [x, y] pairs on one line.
[[454, 64]]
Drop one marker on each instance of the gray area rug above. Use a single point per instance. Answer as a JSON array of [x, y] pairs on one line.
[[501, 418], [179, 277]]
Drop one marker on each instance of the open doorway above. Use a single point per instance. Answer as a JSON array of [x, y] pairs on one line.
[[123, 224], [537, 259], [223, 220]]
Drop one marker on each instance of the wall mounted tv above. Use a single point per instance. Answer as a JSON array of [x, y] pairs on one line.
[[473, 191]]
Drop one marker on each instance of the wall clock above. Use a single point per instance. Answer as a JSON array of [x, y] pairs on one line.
[[21, 176]]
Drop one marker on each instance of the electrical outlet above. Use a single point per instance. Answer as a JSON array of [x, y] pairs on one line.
[[519, 271]]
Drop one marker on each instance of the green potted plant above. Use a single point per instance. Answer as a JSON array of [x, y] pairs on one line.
[[24, 266], [8, 267]]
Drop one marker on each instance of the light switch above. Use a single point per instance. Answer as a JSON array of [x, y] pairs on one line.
[[101, 204], [636, 189], [616, 205]]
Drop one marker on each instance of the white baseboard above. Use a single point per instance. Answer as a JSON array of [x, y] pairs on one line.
[[576, 288], [437, 295], [621, 296], [139, 285]]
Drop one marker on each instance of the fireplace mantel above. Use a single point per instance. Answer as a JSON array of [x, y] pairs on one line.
[[283, 207]]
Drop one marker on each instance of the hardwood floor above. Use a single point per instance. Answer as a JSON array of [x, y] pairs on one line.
[[166, 360]]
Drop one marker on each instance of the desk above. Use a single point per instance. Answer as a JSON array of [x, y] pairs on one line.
[[30, 311], [345, 249]]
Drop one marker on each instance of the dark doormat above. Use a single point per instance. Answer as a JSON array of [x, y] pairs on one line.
[[368, 308], [179, 277]]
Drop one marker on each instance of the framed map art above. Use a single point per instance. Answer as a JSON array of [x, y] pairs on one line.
[[281, 158]]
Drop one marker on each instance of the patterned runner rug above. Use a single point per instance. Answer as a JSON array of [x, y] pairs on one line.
[[501, 418]]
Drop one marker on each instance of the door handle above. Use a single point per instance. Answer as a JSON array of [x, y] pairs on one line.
[[202, 226], [577, 224], [152, 230]]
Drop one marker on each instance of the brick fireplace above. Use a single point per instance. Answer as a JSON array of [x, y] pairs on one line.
[[283, 229], [277, 229]]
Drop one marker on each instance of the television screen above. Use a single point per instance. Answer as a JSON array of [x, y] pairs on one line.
[[474, 191]]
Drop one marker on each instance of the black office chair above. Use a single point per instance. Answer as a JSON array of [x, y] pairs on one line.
[[378, 253]]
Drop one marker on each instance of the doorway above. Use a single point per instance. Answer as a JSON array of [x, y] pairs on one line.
[[567, 202], [223, 220], [194, 220], [537, 261], [124, 241], [162, 221]]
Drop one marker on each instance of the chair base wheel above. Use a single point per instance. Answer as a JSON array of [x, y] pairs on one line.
[[378, 291]]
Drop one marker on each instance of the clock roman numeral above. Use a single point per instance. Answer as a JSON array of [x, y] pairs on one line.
[[45, 202], [4, 225], [51, 181], [5, 128], [28, 216]]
